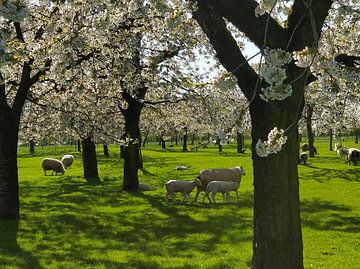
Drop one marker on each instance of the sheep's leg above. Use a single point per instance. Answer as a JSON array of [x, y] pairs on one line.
[[197, 194], [172, 196], [166, 198], [213, 197], [237, 195], [187, 196], [206, 194]]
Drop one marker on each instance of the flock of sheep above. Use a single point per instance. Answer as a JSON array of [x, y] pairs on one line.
[[56, 166], [218, 180]]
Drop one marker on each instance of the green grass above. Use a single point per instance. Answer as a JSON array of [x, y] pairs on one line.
[[66, 223]]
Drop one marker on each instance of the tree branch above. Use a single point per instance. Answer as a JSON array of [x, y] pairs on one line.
[[226, 47], [307, 16]]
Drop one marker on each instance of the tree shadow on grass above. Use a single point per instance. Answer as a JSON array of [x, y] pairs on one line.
[[328, 216], [9, 247], [326, 174], [77, 220]]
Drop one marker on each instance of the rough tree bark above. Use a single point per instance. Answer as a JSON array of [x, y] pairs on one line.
[[90, 161], [277, 228]]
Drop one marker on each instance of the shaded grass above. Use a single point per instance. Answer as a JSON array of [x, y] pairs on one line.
[[66, 223]]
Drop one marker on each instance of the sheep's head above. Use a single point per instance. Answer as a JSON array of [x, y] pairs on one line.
[[242, 171], [198, 182]]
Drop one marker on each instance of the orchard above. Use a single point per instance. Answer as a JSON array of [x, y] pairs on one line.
[[135, 89]]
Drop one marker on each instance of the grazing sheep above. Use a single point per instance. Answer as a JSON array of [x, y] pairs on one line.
[[303, 158], [144, 187], [353, 156], [54, 165], [67, 160], [219, 174], [185, 187], [306, 147], [221, 186]]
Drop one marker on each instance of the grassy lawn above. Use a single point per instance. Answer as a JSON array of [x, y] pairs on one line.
[[66, 223]]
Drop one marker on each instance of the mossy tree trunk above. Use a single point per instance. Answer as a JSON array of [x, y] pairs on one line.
[[90, 161], [277, 228]]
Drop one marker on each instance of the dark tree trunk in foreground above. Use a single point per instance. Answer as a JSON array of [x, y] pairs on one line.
[[9, 193], [277, 240], [9, 128], [32, 147], [90, 161], [239, 142], [310, 133]]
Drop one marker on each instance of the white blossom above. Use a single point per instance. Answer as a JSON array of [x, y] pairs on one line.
[[275, 140], [13, 10]]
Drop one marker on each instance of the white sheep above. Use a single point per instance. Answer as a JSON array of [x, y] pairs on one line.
[[54, 165], [181, 168], [219, 174], [303, 158], [67, 160], [185, 187], [353, 156], [221, 186]]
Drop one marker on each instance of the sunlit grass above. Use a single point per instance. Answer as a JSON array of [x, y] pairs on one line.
[[66, 223]]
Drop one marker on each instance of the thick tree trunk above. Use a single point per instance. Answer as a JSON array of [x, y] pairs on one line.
[[240, 142], [309, 114], [90, 161], [9, 190], [32, 147], [132, 152], [106, 150], [357, 133], [277, 227], [193, 139], [162, 142]]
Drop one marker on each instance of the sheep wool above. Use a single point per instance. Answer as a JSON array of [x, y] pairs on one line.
[[55, 165]]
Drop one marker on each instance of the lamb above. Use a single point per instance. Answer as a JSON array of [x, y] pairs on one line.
[[67, 160], [303, 158], [221, 186], [219, 174], [185, 187], [54, 165], [341, 150], [353, 156]]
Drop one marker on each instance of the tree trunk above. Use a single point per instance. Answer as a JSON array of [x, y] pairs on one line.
[[176, 138], [106, 150], [331, 139], [185, 142], [193, 139], [79, 145], [32, 147], [9, 190], [90, 161], [132, 152], [277, 228], [162, 142], [357, 133], [240, 142], [309, 114], [145, 139], [122, 151]]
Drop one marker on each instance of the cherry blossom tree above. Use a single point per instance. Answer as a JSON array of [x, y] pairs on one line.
[[276, 96]]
